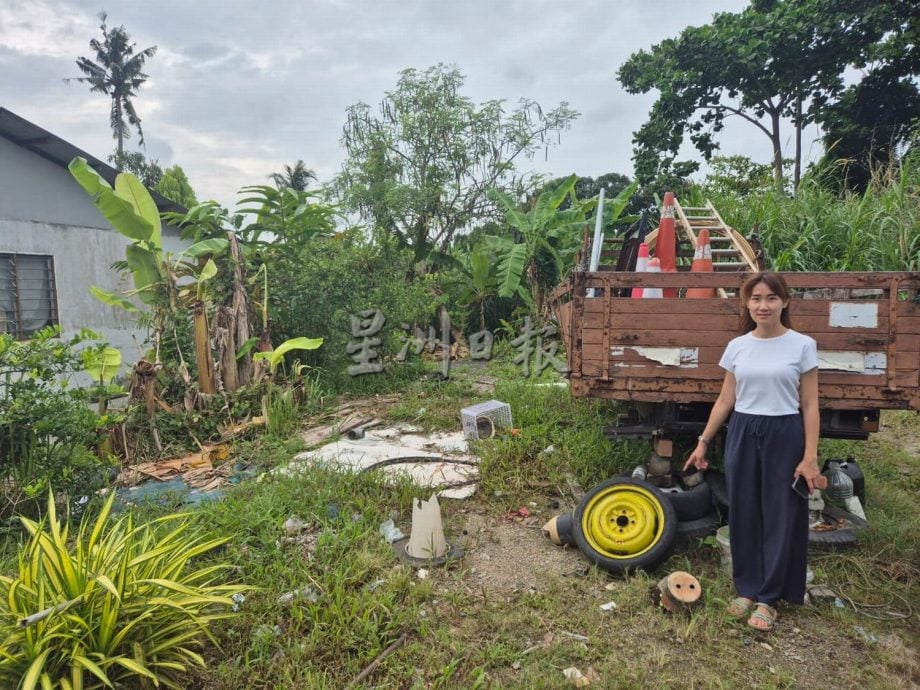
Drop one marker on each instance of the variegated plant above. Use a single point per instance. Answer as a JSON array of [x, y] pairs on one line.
[[116, 605]]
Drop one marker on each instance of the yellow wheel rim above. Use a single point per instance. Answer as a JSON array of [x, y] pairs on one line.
[[623, 521]]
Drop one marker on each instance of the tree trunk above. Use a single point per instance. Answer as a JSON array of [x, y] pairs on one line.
[[777, 151], [535, 289], [119, 135], [797, 173], [240, 311], [224, 337], [203, 349]]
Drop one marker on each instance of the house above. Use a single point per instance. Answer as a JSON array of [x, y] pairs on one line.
[[55, 244]]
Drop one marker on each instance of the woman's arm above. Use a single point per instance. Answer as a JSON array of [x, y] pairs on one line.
[[722, 407], [808, 399]]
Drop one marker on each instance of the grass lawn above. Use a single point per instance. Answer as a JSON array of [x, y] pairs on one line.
[[516, 611]]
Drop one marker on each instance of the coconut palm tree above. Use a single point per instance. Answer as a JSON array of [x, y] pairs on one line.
[[117, 72], [297, 177]]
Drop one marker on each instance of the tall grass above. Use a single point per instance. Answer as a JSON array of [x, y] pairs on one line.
[[818, 229]]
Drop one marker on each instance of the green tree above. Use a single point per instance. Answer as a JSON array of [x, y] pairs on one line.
[[117, 72], [174, 185], [776, 60], [737, 176], [868, 125], [148, 171], [590, 187], [297, 178], [420, 168]]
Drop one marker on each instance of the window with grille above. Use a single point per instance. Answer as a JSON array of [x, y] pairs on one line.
[[28, 300]]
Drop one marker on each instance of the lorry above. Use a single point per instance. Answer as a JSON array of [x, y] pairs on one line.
[[659, 358]]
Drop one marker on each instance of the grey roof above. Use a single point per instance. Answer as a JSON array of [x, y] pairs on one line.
[[52, 148]]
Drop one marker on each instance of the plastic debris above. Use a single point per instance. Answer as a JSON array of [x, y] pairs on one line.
[[238, 599], [865, 635], [579, 679], [294, 524], [391, 532], [302, 594], [266, 632], [422, 573], [609, 606]]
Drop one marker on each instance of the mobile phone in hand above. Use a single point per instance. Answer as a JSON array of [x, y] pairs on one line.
[[800, 486]]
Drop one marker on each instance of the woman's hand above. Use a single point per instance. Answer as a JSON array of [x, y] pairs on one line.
[[697, 458], [809, 469]]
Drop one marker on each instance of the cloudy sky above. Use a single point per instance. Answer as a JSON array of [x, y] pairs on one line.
[[238, 89]]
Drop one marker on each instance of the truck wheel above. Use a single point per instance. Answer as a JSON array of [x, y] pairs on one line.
[[690, 531], [625, 524], [691, 504], [718, 491]]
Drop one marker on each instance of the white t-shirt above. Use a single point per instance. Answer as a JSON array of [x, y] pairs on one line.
[[767, 371]]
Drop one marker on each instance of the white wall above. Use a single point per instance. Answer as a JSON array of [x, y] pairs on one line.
[[44, 211]]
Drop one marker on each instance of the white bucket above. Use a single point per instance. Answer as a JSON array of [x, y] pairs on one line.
[[722, 539]]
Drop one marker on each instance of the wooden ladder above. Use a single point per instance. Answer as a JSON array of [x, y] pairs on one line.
[[730, 251]]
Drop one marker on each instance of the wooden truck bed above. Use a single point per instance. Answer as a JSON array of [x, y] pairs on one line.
[[867, 326]]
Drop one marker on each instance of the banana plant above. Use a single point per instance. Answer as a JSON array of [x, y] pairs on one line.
[[543, 229], [517, 266], [476, 267], [160, 284], [132, 211], [275, 357]]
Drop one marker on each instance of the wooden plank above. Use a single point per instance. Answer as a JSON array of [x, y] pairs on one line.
[[643, 337], [644, 307], [724, 316], [837, 397], [578, 319], [608, 324], [564, 319], [879, 280]]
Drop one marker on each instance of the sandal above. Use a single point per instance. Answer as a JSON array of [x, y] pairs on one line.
[[740, 607], [765, 614]]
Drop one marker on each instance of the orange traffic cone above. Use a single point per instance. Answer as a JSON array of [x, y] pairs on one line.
[[654, 266], [702, 262], [641, 267], [666, 244]]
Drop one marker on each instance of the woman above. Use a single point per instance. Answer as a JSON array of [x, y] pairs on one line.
[[771, 384]]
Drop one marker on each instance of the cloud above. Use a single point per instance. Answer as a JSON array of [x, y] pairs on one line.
[[238, 90]]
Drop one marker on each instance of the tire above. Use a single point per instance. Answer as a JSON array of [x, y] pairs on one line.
[[625, 524], [840, 538], [718, 491], [690, 531], [691, 504], [565, 528]]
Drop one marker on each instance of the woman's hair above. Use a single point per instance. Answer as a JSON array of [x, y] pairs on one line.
[[775, 282]]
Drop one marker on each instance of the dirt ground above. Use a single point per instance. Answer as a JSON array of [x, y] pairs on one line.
[[508, 557]]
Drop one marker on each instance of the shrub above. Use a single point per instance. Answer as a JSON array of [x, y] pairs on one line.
[[118, 605], [47, 431], [316, 290]]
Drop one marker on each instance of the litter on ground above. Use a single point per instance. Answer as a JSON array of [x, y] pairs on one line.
[[440, 461]]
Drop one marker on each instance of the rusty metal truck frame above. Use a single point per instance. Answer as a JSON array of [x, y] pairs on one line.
[[661, 355]]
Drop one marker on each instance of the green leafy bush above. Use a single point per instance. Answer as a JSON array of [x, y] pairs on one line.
[[116, 605], [47, 431], [316, 289]]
